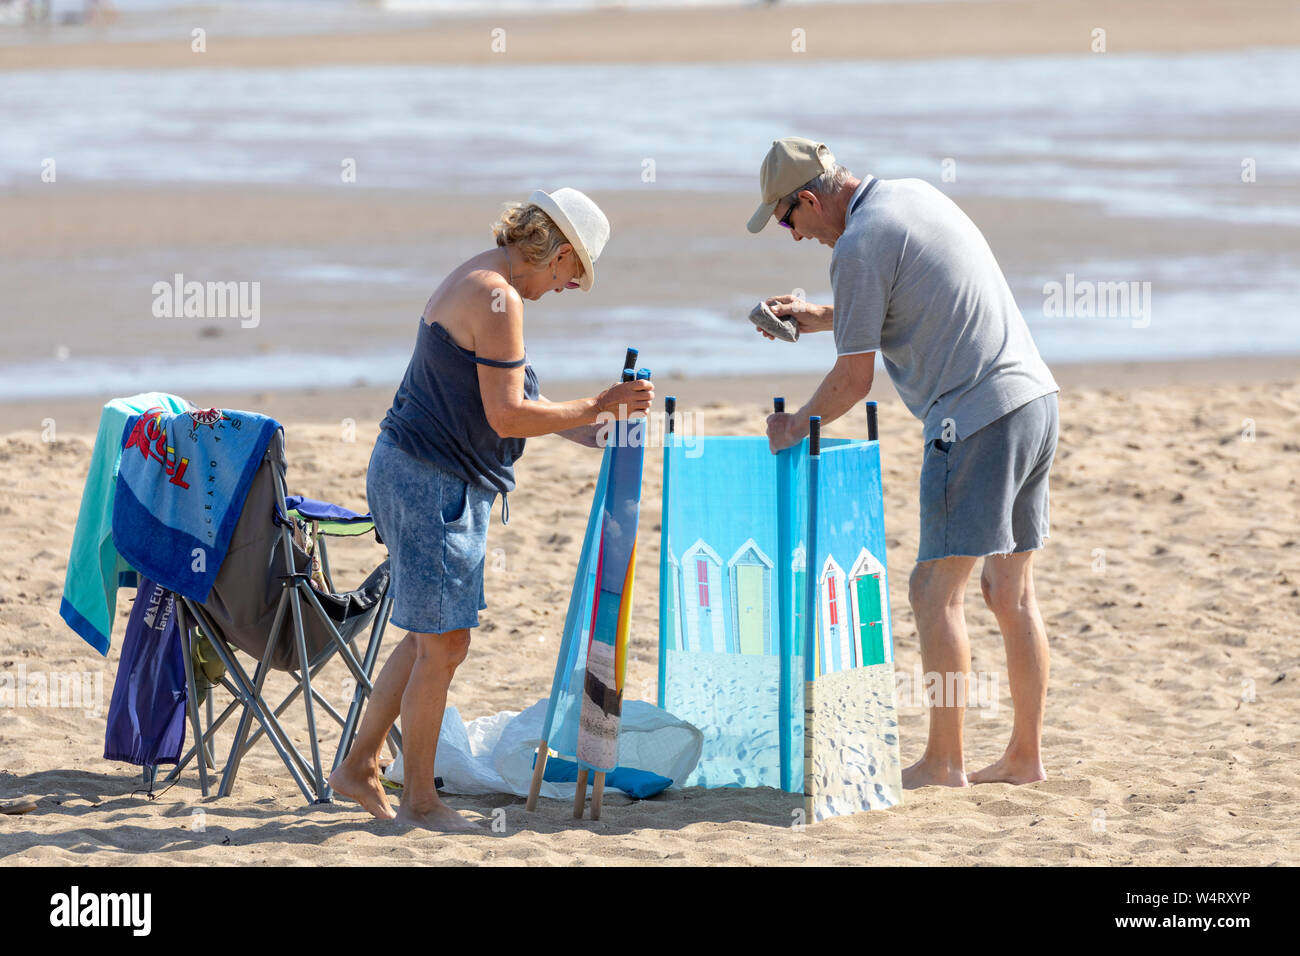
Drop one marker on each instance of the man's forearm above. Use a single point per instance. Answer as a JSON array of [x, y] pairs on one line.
[[839, 391]]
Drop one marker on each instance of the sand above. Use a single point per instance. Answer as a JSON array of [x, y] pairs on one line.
[[855, 761], [1170, 588]]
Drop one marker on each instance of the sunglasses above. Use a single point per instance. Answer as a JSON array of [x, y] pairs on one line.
[[785, 220]]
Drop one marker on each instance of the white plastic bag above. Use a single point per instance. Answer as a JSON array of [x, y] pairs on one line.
[[495, 754]]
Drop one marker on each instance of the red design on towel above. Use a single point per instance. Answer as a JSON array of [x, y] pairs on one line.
[[151, 438]]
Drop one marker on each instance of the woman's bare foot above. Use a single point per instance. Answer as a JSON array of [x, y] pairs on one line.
[[361, 783], [1010, 769], [933, 773], [438, 817]]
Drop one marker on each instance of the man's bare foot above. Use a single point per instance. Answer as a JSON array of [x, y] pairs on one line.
[[925, 773], [363, 786], [438, 817], [1010, 770]]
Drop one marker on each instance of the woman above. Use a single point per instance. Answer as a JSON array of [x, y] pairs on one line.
[[445, 449]]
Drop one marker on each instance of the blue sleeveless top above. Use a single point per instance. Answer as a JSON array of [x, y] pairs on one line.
[[438, 417]]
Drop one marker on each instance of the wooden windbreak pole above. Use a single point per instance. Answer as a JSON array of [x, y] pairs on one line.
[[539, 769], [580, 796]]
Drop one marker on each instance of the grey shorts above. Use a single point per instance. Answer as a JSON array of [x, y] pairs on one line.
[[987, 493], [434, 525]]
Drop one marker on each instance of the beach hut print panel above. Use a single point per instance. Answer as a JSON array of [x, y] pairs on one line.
[[704, 617], [732, 600], [750, 576], [869, 600]]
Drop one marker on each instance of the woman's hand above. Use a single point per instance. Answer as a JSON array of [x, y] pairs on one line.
[[626, 399], [809, 317]]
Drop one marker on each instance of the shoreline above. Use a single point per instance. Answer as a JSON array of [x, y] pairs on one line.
[[712, 34], [366, 405]]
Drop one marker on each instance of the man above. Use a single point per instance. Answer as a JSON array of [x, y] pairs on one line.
[[914, 279]]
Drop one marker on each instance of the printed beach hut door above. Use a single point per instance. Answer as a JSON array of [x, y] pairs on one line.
[[797, 572], [835, 637], [706, 625], [866, 593], [671, 593], [751, 599]]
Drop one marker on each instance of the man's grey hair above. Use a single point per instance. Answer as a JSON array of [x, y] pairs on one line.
[[827, 184]]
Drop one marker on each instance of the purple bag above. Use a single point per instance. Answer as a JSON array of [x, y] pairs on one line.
[[146, 716]]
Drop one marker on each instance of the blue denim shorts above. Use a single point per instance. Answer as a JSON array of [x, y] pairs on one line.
[[434, 524], [987, 493]]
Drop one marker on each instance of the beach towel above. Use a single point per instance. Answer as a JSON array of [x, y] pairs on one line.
[[180, 490], [95, 569], [146, 714]]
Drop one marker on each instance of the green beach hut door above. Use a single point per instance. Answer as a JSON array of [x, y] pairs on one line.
[[751, 599], [866, 584]]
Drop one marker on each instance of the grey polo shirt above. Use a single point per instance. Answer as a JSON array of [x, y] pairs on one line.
[[915, 280]]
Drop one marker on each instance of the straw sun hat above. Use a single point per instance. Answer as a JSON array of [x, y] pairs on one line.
[[582, 223]]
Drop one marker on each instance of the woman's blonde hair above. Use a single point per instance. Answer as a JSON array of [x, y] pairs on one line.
[[528, 227]]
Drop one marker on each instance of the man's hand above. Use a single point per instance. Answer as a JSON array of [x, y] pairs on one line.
[[809, 317], [784, 430]]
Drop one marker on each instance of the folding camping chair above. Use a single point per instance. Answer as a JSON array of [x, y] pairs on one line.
[[264, 603]]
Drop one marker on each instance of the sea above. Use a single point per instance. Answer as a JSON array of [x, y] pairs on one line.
[[1198, 143]]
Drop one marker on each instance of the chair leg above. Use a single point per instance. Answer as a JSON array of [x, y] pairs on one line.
[[308, 698], [191, 694], [238, 747], [248, 693], [213, 727], [211, 740], [360, 694], [284, 705]]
